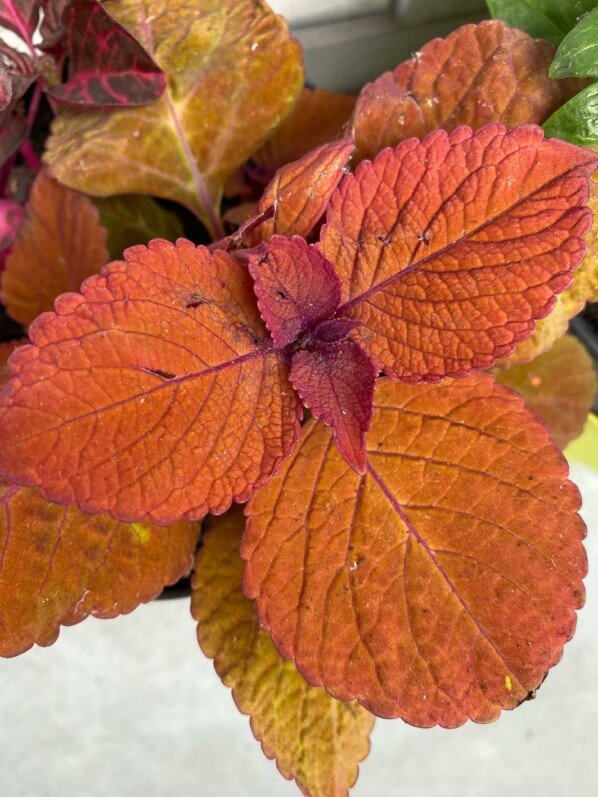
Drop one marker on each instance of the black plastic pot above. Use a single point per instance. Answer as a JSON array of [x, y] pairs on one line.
[[585, 328]]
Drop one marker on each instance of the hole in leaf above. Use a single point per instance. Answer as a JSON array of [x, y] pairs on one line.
[[162, 374]]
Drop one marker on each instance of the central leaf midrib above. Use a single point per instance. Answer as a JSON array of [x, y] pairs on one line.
[[412, 532], [201, 190], [175, 382], [463, 238]]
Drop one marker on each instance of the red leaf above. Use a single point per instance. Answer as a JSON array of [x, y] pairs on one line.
[[156, 393], [442, 584], [478, 75], [20, 16], [333, 330], [108, 67], [295, 287], [336, 382], [448, 249], [300, 192]]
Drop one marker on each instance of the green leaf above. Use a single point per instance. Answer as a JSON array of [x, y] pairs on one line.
[[133, 219], [578, 52], [577, 120], [545, 19]]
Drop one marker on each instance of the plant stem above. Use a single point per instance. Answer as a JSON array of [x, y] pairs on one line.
[[34, 105], [30, 156]]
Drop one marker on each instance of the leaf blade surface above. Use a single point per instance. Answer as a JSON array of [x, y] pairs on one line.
[[450, 249], [156, 394], [315, 739], [442, 584]]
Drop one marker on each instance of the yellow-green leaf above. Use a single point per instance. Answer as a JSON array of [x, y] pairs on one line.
[[135, 219], [316, 740], [233, 74], [560, 385]]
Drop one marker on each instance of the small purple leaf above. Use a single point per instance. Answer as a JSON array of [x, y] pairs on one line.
[[336, 382], [108, 67], [334, 329], [296, 287]]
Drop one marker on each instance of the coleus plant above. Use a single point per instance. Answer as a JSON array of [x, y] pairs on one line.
[[413, 549], [573, 27]]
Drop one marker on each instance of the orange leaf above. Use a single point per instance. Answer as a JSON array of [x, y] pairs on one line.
[[570, 302], [318, 117], [155, 394], [59, 245], [6, 349], [315, 739], [479, 74], [300, 192], [59, 565], [560, 385], [449, 249], [439, 586]]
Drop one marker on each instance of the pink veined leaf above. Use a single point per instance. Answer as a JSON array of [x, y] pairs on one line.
[[20, 73], [20, 16], [108, 67], [336, 382], [52, 27], [296, 287], [17, 73], [5, 88]]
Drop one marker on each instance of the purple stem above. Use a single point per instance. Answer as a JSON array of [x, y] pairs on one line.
[[30, 156], [34, 105]]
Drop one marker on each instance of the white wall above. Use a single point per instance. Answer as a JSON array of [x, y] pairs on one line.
[[314, 10]]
